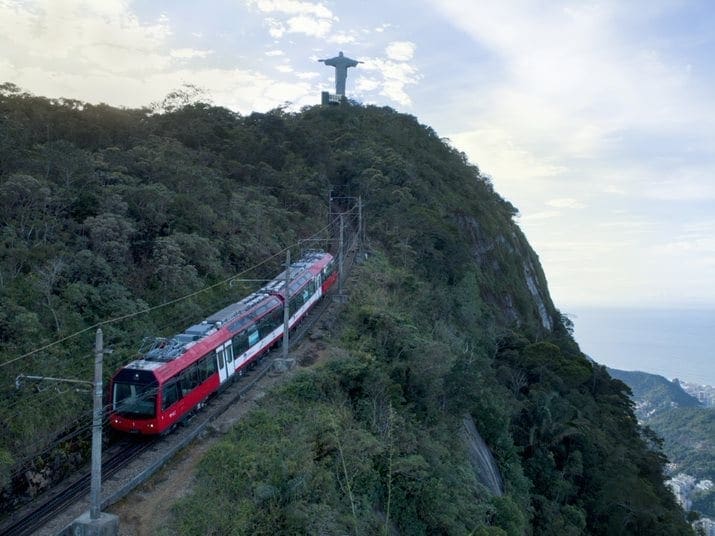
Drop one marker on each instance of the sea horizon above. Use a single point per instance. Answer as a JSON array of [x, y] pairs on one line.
[[677, 342]]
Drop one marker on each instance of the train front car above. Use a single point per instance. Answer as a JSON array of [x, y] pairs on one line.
[[134, 396], [172, 378]]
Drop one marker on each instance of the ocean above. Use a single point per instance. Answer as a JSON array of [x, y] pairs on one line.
[[672, 343]]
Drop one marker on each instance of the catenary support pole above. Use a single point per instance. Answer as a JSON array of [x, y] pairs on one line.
[[96, 484], [286, 312], [359, 229], [341, 255]]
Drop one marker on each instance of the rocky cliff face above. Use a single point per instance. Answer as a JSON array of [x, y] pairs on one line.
[[517, 285], [481, 458]]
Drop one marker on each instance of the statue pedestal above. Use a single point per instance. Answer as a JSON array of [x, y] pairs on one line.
[[327, 98]]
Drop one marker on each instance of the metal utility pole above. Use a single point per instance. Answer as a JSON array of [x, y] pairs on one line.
[[94, 521], [96, 486], [359, 229], [286, 313], [330, 207], [341, 255]]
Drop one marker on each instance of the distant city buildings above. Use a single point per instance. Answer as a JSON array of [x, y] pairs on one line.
[[704, 393], [684, 487], [706, 526]]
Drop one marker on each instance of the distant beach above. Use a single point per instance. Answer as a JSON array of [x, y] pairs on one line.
[[676, 343]]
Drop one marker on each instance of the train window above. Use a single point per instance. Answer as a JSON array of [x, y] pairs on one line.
[[276, 318], [229, 353], [170, 394], [220, 359], [270, 322], [296, 302], [189, 379], [207, 366], [253, 336], [134, 400], [238, 324], [240, 342], [264, 327], [329, 269]]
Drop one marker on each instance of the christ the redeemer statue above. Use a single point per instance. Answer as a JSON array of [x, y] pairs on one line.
[[341, 64]]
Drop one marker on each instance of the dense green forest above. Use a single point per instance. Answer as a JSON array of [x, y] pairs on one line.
[[107, 213]]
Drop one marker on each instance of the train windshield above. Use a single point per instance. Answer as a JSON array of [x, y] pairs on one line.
[[134, 400]]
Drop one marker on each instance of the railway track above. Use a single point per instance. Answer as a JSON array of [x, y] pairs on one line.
[[30, 519]]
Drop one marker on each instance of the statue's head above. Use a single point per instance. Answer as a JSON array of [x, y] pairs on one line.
[[341, 53]]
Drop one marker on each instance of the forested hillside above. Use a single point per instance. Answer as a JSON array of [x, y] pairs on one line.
[[107, 213]]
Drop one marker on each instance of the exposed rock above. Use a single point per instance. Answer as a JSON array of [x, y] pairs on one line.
[[533, 287], [485, 468]]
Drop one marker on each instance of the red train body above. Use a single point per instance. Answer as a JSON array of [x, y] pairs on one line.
[[175, 376]]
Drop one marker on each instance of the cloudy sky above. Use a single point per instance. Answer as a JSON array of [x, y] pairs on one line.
[[595, 118]]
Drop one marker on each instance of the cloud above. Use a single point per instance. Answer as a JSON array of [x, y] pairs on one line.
[[342, 38], [594, 98], [500, 153], [293, 7], [395, 77], [565, 202], [311, 26], [292, 16], [307, 75], [544, 215], [73, 36], [686, 185], [400, 50], [697, 237], [101, 51], [276, 29], [365, 84], [188, 53], [272, 53]]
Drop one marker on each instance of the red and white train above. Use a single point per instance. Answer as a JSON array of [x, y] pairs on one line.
[[176, 375]]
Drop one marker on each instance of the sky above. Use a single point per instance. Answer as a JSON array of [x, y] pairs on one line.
[[596, 119]]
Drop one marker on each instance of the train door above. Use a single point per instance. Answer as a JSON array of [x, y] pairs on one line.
[[221, 359], [228, 355]]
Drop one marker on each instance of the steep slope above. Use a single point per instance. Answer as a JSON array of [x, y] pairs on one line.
[[450, 317]]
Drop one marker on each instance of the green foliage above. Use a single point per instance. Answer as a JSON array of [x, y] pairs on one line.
[[688, 434]]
